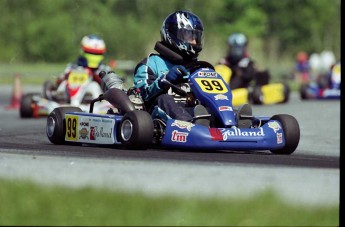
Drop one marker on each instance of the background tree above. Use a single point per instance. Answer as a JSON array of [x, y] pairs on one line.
[[50, 31]]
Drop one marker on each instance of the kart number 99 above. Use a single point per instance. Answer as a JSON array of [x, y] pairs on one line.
[[71, 127], [214, 85]]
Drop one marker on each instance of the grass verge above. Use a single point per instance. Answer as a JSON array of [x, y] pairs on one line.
[[25, 203]]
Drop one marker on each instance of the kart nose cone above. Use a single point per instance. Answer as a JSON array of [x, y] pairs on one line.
[[50, 126], [126, 130]]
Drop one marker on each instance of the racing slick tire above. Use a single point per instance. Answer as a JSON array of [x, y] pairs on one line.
[[26, 109], [257, 96], [56, 126], [286, 93], [136, 130], [291, 133], [304, 91]]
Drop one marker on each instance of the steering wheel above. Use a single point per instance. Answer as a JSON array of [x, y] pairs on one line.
[[192, 66]]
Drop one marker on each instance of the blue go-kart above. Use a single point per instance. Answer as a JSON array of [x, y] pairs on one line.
[[132, 127]]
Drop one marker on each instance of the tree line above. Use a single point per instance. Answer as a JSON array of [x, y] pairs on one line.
[[50, 31]]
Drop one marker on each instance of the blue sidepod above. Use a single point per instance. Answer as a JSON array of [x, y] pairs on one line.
[[181, 134]]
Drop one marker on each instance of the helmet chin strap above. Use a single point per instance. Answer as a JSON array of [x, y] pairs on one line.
[[168, 53]]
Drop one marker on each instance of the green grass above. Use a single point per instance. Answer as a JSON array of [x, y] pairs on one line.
[[25, 203]]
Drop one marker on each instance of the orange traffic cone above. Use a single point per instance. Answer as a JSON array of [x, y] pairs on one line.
[[16, 93]]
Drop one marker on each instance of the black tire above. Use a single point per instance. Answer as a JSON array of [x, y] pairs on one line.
[[291, 133], [56, 132], [286, 93], [48, 86], [26, 110], [257, 95], [304, 91], [136, 130]]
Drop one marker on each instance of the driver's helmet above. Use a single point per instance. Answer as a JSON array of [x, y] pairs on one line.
[[302, 56], [182, 32], [93, 49], [237, 46]]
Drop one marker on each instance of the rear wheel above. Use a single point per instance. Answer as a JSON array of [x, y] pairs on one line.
[[291, 133], [56, 126], [136, 129], [257, 95], [286, 93], [26, 105], [304, 91]]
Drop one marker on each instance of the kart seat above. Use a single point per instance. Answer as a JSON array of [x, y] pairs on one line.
[[201, 116], [244, 116]]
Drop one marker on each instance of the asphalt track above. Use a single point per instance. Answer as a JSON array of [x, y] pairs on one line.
[[309, 176]]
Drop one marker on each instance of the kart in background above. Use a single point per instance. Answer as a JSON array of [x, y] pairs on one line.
[[259, 94], [229, 128], [326, 86], [78, 89]]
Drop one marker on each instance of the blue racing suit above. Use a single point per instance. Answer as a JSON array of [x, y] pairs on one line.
[[157, 101]]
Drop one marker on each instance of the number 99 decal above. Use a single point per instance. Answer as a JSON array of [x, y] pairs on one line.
[[71, 128], [212, 85]]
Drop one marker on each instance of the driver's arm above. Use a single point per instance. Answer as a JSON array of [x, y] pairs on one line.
[[147, 75]]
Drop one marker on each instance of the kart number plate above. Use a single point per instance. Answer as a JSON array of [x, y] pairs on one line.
[[77, 78], [212, 85], [71, 128]]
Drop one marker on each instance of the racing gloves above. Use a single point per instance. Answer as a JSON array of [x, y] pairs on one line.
[[175, 73]]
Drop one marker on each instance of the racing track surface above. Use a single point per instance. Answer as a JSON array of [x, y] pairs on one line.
[[310, 175]]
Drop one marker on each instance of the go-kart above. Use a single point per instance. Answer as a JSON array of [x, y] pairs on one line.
[[78, 89], [229, 128], [326, 86], [258, 94]]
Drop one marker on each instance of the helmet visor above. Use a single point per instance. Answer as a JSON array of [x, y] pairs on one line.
[[93, 60], [237, 52], [191, 36]]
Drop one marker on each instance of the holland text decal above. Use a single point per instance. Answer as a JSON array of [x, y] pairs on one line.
[[237, 132], [99, 133]]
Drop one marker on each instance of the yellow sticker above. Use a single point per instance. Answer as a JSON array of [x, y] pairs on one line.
[[77, 78], [71, 128], [212, 85]]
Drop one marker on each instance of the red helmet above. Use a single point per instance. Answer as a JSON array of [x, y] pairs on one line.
[[93, 48]]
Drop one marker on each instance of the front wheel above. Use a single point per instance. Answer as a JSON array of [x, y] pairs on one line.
[[26, 105], [136, 129], [291, 133], [56, 127]]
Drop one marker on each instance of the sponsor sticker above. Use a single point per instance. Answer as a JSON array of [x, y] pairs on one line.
[[221, 97], [100, 133], [236, 132], [183, 124], [274, 125], [207, 74], [225, 108], [279, 138], [180, 137], [84, 134]]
